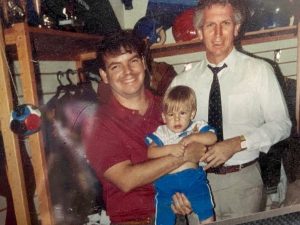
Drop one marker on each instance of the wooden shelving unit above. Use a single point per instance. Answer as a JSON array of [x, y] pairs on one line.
[[27, 44]]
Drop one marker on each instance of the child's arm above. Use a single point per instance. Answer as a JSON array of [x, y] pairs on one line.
[[155, 151], [206, 138]]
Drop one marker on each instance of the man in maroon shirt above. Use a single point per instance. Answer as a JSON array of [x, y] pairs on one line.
[[116, 148]]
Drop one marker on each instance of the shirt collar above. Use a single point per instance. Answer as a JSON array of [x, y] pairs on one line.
[[186, 131], [229, 60], [123, 112]]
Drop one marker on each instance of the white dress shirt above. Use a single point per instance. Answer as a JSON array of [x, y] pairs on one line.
[[253, 104]]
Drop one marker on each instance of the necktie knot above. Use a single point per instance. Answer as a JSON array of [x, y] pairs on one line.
[[216, 69]]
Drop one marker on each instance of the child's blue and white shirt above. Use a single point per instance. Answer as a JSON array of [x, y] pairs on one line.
[[164, 136]]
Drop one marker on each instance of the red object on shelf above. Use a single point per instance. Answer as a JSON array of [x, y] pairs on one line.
[[183, 28]]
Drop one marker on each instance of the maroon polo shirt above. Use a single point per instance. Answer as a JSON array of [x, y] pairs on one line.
[[118, 136]]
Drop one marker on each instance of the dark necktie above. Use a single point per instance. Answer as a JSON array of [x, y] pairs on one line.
[[215, 104]]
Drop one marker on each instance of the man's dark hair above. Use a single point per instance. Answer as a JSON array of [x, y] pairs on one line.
[[117, 44]]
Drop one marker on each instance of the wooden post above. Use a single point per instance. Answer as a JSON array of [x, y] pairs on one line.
[[11, 145], [27, 75]]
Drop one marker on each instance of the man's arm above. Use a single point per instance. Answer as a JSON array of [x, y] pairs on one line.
[[274, 113], [128, 176], [207, 138], [155, 151], [220, 152]]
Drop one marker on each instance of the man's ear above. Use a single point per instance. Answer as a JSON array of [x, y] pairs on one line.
[[103, 76], [236, 30], [199, 34]]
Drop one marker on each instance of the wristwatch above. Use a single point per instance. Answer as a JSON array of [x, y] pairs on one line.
[[243, 142]]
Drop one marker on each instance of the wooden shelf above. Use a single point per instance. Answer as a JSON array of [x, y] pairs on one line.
[[282, 33], [49, 44]]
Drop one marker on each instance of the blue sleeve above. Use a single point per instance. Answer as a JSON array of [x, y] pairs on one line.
[[153, 138], [207, 128]]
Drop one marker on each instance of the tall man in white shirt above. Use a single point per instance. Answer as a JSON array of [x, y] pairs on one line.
[[254, 112]]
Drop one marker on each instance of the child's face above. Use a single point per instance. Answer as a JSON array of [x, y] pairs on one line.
[[178, 120]]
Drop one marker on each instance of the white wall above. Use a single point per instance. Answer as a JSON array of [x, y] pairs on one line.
[[128, 18], [287, 61], [133, 15], [49, 82], [118, 10]]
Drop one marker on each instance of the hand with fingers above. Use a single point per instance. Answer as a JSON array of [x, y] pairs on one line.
[[194, 152], [181, 205], [220, 152], [178, 150], [187, 140]]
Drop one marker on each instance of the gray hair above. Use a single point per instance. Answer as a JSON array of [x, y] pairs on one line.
[[236, 5]]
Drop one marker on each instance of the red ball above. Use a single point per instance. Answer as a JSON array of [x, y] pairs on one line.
[[183, 28], [33, 122]]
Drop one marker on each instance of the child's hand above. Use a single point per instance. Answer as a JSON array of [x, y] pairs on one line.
[[177, 150], [187, 140]]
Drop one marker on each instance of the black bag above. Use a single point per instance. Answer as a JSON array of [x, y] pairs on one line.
[[270, 165]]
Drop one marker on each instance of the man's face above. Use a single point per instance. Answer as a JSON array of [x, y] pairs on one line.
[[218, 32], [125, 74]]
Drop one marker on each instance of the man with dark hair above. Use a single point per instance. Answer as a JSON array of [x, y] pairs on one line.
[[116, 148], [239, 96]]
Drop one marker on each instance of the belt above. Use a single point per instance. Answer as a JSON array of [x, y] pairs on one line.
[[148, 220], [229, 169]]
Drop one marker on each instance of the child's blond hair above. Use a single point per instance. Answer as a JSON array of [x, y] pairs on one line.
[[178, 96]]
